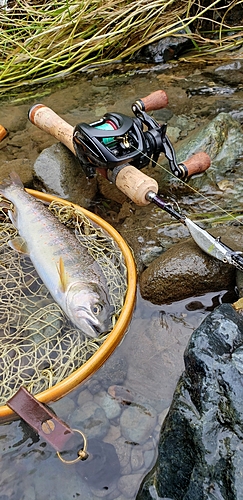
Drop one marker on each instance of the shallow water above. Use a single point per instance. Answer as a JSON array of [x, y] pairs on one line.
[[132, 392], [152, 356]]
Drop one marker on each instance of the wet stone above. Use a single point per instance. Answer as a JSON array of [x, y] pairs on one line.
[[200, 449], [111, 407], [59, 172], [184, 270], [165, 49], [137, 460], [123, 451], [230, 73], [129, 484], [22, 167], [114, 371], [221, 139], [64, 407], [92, 419], [137, 423]]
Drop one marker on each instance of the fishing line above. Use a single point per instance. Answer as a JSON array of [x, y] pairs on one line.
[[192, 188]]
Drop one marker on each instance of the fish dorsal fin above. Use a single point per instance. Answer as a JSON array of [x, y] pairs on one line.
[[18, 244], [16, 179], [62, 275]]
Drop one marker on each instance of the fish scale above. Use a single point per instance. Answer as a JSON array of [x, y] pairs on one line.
[[72, 276]]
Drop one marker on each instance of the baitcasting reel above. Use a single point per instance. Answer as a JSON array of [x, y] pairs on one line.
[[118, 147], [117, 140]]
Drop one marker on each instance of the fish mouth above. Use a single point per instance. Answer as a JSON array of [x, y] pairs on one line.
[[87, 308], [89, 328]]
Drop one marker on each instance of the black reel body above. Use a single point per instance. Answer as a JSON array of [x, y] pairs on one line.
[[117, 140]]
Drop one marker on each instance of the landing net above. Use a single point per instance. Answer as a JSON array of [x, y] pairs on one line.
[[39, 347]]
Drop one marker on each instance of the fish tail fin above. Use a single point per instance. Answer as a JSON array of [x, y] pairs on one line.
[[13, 179]]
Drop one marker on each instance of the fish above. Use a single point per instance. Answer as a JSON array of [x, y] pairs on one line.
[[72, 276]]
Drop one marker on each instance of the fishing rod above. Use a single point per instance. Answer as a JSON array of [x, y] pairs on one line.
[[118, 147]]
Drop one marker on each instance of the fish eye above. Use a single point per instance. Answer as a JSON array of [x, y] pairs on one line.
[[97, 308]]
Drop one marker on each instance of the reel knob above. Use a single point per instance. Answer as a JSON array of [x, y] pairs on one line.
[[156, 100], [197, 164]]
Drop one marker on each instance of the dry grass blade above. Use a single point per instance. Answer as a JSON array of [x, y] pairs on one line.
[[49, 40]]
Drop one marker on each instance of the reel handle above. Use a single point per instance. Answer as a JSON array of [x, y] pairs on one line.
[[46, 119], [198, 163], [151, 102]]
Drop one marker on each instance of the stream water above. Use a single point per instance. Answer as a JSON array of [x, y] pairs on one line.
[[122, 406]]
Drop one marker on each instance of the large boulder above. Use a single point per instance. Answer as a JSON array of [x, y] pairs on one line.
[[200, 453], [184, 270]]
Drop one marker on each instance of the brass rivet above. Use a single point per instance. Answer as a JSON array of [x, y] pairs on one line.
[[48, 426]]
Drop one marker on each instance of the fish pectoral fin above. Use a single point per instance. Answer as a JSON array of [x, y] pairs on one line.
[[13, 216], [62, 275], [19, 244]]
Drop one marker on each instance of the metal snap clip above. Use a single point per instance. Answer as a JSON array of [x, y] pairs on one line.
[[82, 454]]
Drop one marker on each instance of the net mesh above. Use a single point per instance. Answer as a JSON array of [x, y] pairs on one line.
[[39, 346]]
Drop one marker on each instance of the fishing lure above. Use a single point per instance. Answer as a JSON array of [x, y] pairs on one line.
[[208, 243]]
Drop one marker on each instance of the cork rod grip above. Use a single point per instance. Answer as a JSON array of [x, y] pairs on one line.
[[197, 163], [156, 100], [47, 120], [135, 184]]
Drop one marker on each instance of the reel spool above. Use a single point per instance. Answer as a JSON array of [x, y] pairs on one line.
[[113, 338]]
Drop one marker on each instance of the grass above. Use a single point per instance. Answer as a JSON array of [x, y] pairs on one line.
[[40, 41]]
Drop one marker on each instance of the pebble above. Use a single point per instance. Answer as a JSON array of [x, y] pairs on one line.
[[111, 407], [92, 419], [123, 451], [129, 484], [113, 372], [137, 458], [64, 407], [137, 423]]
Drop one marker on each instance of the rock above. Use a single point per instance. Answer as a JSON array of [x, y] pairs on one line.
[[230, 73], [221, 139], [92, 419], [114, 371], [137, 460], [14, 119], [239, 282], [165, 49], [111, 407], [186, 271], [137, 423], [21, 166], [149, 231], [129, 484], [173, 133], [64, 407], [200, 448], [58, 172], [123, 451]]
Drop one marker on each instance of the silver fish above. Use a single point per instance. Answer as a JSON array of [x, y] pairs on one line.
[[72, 276]]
